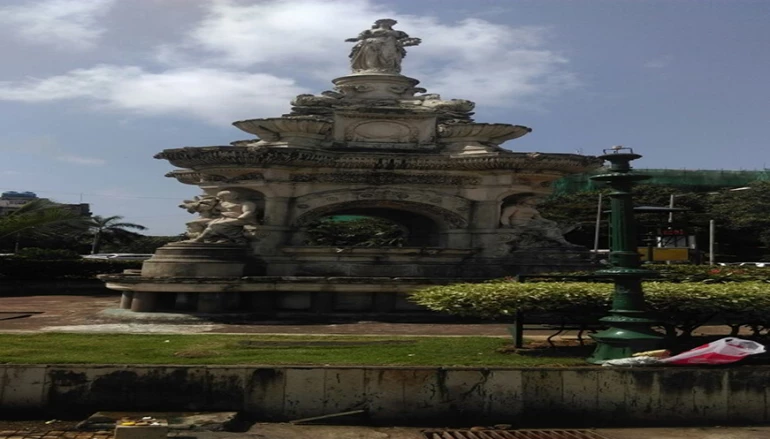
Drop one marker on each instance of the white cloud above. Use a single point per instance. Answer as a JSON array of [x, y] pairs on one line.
[[245, 60], [216, 96], [65, 24], [659, 63], [77, 160], [48, 147]]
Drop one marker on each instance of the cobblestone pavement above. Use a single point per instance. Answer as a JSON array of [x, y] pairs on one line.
[[70, 434], [53, 434]]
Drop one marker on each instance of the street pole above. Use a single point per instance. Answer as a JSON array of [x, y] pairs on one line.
[[598, 225], [712, 233], [671, 206], [630, 327]]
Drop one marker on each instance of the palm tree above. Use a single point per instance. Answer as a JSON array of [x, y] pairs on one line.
[[41, 218], [111, 229]]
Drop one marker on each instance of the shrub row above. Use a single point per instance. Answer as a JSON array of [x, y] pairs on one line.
[[680, 307], [680, 273], [31, 269]]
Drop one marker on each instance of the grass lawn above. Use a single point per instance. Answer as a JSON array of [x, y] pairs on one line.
[[53, 348]]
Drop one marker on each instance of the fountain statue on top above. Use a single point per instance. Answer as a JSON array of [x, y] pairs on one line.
[[380, 49]]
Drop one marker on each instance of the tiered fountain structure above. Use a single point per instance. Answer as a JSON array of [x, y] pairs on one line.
[[378, 146]]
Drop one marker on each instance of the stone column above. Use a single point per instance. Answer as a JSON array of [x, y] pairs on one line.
[[485, 214], [272, 233], [126, 298], [485, 226], [276, 211], [144, 301]]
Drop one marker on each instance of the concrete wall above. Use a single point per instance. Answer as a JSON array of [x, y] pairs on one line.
[[587, 396]]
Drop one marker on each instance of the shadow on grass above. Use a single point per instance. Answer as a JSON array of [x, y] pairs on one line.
[[561, 350]]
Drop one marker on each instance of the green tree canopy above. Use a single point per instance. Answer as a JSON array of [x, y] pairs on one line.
[[42, 218], [111, 229]]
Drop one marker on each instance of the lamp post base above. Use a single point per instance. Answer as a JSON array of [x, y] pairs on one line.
[[616, 342]]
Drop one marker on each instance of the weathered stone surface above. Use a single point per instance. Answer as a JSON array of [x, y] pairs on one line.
[[23, 387], [583, 396]]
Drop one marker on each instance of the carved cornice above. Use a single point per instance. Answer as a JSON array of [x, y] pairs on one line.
[[386, 178], [188, 176], [202, 158]]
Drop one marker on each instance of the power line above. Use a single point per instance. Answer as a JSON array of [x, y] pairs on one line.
[[81, 194]]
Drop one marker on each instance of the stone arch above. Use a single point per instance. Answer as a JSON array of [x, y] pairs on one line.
[[443, 218], [515, 194], [450, 211]]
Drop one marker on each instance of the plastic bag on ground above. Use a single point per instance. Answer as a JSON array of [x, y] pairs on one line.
[[633, 361], [722, 351]]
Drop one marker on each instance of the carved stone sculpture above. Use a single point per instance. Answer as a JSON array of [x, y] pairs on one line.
[[380, 49], [529, 228], [207, 209], [228, 228]]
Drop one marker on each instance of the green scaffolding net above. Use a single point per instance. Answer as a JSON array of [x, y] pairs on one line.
[[690, 180]]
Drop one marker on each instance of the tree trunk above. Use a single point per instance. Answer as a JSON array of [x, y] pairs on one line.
[[97, 244]]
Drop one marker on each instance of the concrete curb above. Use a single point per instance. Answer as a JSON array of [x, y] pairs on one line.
[[585, 396]]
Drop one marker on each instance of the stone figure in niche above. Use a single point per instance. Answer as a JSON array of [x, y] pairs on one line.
[[529, 228], [207, 209], [230, 227], [380, 49]]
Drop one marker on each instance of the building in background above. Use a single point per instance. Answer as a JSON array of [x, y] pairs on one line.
[[12, 201]]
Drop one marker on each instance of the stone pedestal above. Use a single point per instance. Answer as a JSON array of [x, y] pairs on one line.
[[182, 259], [193, 260]]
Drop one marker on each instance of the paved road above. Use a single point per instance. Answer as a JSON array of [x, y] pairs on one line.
[[98, 313]]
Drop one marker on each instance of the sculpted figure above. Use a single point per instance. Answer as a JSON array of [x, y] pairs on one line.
[[206, 207], [533, 229], [380, 49], [229, 226]]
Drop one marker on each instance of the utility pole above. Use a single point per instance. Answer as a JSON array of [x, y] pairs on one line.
[[598, 225], [712, 235]]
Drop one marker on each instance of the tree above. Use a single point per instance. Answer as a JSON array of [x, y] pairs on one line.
[[579, 209], [143, 244], [41, 219], [110, 229], [356, 232], [743, 221]]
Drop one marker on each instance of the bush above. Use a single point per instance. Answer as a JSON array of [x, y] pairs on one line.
[[682, 307], [45, 254], [677, 273], [13, 268]]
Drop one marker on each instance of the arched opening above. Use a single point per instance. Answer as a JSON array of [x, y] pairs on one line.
[[372, 227]]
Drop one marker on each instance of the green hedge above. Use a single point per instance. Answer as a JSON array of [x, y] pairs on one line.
[[681, 273], [29, 269], [683, 307]]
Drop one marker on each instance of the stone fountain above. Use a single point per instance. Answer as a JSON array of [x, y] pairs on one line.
[[379, 146]]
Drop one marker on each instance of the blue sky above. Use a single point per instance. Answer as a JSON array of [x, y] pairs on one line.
[[90, 90]]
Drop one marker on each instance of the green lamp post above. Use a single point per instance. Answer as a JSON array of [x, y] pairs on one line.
[[630, 327]]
